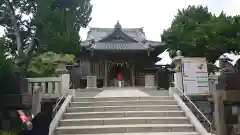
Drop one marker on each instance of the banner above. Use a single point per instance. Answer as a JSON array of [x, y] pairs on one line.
[[195, 76]]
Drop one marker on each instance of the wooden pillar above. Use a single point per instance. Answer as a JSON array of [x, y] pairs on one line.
[[157, 77], [105, 73], [91, 66], [133, 75]]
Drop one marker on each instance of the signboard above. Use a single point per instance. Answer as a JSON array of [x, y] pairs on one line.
[[195, 75]]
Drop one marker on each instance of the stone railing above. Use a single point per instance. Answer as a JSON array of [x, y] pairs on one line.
[[51, 87], [60, 112], [48, 85], [188, 106]]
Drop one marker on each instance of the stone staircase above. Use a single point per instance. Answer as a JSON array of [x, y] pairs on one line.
[[150, 115]]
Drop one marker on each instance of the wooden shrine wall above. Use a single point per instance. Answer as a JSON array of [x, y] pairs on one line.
[[84, 67], [97, 67]]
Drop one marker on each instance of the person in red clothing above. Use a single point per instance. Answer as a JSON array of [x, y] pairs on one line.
[[119, 79]]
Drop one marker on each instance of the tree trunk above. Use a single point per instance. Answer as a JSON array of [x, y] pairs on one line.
[[22, 59]]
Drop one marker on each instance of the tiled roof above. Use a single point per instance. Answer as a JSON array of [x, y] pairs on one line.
[[155, 43], [138, 42], [100, 33], [119, 46]]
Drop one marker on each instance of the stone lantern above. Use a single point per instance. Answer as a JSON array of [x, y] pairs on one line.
[[178, 77], [61, 67], [63, 73]]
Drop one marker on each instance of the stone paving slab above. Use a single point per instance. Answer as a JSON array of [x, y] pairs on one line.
[[123, 92], [156, 133]]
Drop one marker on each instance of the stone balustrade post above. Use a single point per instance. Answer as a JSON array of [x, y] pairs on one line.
[[178, 81], [64, 78], [91, 82], [149, 81], [219, 109], [64, 83], [36, 100]]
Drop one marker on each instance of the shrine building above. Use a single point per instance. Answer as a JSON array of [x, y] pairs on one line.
[[108, 51]]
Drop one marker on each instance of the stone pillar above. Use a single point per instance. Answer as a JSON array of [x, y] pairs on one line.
[[219, 114], [178, 76], [149, 81], [36, 100], [64, 78], [64, 83], [178, 81], [91, 82]]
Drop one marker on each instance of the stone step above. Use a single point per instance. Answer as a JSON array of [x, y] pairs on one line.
[[122, 103], [117, 114], [124, 108], [124, 128], [124, 120], [153, 133], [90, 99]]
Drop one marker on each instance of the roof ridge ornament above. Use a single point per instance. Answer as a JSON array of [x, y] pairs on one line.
[[118, 25]]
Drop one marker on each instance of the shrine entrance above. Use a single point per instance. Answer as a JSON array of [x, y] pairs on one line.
[[118, 67]]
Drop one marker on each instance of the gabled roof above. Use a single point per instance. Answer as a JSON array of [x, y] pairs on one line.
[[131, 39], [118, 33]]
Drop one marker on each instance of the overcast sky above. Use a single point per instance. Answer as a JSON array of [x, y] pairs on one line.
[[153, 15]]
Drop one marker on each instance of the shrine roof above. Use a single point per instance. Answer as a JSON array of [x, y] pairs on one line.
[[129, 39], [119, 46]]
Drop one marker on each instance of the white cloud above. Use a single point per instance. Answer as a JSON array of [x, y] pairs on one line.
[[153, 15]]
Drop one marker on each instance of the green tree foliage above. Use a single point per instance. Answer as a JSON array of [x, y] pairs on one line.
[[61, 21], [33, 26], [6, 66], [20, 33], [46, 63], [196, 32], [179, 35]]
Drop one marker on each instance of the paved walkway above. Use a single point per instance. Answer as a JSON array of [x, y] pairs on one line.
[[122, 92]]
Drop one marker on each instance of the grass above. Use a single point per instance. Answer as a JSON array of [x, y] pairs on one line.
[[7, 133]]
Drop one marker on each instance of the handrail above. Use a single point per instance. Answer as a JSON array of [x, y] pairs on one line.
[[59, 100], [59, 115], [199, 111]]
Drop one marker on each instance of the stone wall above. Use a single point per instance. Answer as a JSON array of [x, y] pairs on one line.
[[231, 112], [205, 106]]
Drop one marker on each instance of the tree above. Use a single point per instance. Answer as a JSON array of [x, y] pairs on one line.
[[5, 64], [46, 63], [196, 32], [214, 37], [39, 25], [20, 32], [179, 35], [61, 23]]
